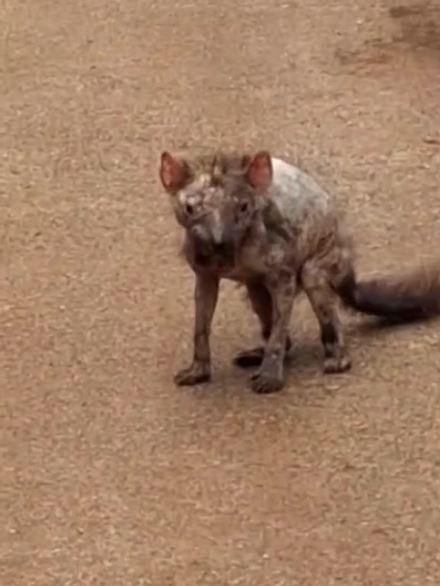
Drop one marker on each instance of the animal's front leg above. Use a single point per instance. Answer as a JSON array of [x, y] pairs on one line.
[[270, 376], [261, 301], [206, 295]]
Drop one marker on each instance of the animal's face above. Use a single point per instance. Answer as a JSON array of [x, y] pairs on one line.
[[216, 200]]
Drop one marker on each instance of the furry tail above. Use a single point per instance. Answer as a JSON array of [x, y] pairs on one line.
[[412, 297]]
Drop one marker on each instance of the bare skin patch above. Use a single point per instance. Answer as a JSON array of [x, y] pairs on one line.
[[265, 224]]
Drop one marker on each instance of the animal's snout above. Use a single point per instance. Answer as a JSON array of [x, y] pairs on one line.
[[202, 244], [201, 237], [221, 248], [210, 234], [208, 244]]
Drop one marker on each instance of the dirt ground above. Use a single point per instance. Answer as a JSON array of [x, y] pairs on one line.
[[110, 475]]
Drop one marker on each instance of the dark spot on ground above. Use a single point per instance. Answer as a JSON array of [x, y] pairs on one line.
[[419, 25], [403, 11], [416, 35]]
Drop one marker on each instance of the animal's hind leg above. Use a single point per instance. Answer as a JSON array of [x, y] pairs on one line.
[[262, 305], [324, 302]]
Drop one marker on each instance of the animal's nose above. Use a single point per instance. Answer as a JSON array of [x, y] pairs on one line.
[[200, 235], [220, 247]]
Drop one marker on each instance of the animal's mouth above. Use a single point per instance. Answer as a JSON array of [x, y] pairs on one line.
[[215, 255]]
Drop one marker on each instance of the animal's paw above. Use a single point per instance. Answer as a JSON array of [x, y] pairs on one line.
[[197, 373], [254, 356], [250, 358], [337, 364], [265, 383]]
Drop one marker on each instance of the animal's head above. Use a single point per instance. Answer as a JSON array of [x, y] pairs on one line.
[[216, 199]]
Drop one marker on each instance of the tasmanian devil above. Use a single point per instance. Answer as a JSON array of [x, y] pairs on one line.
[[263, 222]]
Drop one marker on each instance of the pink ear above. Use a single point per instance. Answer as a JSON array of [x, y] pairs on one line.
[[259, 173], [174, 172]]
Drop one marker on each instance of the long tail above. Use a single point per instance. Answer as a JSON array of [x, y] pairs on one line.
[[411, 297]]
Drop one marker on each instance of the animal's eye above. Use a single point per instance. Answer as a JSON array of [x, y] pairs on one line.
[[189, 209], [244, 207]]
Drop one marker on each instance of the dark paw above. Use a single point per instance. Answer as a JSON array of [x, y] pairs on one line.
[[249, 358], [264, 384], [254, 357], [336, 365], [195, 374]]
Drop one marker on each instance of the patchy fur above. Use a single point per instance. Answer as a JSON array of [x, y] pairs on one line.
[[264, 223]]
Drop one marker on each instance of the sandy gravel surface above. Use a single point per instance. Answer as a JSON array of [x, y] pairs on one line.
[[109, 474]]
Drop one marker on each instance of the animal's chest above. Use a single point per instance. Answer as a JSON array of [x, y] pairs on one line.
[[241, 268], [253, 261], [256, 262]]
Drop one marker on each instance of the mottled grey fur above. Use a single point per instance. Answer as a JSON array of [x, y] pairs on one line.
[[264, 223]]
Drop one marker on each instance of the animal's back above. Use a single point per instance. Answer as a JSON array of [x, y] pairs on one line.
[[296, 194]]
